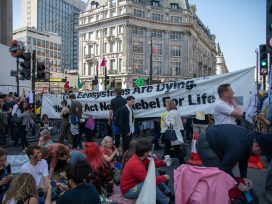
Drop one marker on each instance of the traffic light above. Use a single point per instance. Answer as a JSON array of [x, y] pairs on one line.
[[40, 71], [113, 83], [95, 81], [107, 79], [269, 25], [263, 60], [25, 72]]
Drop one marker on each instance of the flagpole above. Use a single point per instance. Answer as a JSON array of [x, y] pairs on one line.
[[105, 81], [151, 68]]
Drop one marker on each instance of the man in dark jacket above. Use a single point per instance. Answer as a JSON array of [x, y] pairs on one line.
[[126, 122], [116, 103], [225, 145]]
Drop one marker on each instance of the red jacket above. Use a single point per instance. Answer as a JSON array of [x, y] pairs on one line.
[[135, 172]]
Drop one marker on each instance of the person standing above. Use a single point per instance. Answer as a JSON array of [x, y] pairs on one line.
[[226, 109], [116, 103], [77, 109], [126, 122], [24, 112], [65, 125], [172, 118]]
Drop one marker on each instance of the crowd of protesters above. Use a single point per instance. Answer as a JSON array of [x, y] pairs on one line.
[[75, 171]]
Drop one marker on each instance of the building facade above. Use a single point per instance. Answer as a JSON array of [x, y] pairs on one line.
[[221, 67], [126, 31], [47, 45], [6, 22], [57, 16]]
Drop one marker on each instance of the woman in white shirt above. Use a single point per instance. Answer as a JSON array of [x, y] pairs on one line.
[[173, 117]]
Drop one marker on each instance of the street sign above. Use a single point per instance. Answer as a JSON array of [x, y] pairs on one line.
[[13, 73]]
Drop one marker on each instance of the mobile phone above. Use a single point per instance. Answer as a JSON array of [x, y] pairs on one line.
[[53, 184]]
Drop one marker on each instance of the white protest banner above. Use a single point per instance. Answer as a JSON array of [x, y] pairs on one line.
[[191, 96]]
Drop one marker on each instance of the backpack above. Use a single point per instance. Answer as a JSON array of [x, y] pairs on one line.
[[90, 123]]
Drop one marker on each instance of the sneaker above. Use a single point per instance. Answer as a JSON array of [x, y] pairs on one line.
[[268, 196]]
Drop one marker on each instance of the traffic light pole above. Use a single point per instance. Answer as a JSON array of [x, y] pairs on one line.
[[17, 77], [33, 76]]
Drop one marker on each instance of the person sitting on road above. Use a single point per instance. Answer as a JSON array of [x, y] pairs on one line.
[[44, 122], [58, 154], [80, 191], [135, 171], [102, 171], [22, 190], [37, 167], [109, 151], [45, 138], [5, 173]]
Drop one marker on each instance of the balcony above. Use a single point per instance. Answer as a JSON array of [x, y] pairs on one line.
[[112, 71], [89, 57]]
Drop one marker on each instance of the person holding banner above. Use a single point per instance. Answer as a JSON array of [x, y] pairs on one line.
[[115, 105], [134, 173], [226, 109]]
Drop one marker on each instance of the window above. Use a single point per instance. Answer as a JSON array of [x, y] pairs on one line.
[[94, 5], [174, 6], [175, 19], [155, 3], [137, 47], [157, 16], [105, 30], [112, 45], [175, 35], [119, 65], [105, 48], [175, 68], [112, 64], [120, 29], [137, 66], [139, 13], [157, 49], [38, 42], [156, 34], [120, 49], [157, 67], [112, 31], [175, 51], [137, 31]]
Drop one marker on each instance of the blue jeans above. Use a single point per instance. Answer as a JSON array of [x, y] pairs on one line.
[[268, 183], [116, 133], [135, 191]]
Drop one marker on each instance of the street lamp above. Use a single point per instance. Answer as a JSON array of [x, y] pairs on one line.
[[151, 68]]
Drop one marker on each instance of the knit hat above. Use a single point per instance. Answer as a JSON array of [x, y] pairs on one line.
[[265, 143]]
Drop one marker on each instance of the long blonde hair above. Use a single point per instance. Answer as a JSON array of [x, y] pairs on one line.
[[22, 188], [105, 140]]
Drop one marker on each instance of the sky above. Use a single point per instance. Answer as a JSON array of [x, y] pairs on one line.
[[239, 26]]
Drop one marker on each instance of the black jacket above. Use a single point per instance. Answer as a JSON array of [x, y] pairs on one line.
[[124, 120], [232, 144]]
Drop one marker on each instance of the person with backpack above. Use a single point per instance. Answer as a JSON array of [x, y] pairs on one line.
[[115, 105]]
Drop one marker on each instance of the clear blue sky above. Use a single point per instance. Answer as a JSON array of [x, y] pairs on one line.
[[239, 26]]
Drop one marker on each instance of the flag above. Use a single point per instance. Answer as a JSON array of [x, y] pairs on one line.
[[103, 62], [140, 82], [148, 191], [79, 83]]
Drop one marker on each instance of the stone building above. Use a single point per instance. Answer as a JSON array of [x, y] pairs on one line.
[[129, 33], [6, 22]]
